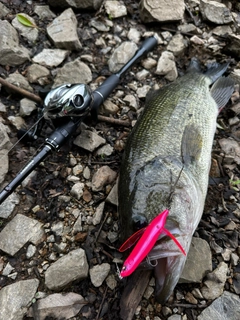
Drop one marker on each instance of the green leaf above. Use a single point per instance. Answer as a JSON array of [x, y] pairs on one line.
[[25, 21], [232, 182]]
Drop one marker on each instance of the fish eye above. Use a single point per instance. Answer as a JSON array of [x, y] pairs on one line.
[[124, 268]]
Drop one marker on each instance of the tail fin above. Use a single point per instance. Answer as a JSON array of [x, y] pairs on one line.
[[216, 70], [222, 90]]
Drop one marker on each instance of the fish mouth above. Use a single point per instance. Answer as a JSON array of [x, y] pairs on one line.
[[168, 263]]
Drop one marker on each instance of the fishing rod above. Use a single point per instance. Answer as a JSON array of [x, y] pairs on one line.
[[73, 102]]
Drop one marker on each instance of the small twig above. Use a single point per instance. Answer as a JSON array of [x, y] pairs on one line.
[[186, 305], [101, 305], [21, 91], [99, 230], [124, 123]]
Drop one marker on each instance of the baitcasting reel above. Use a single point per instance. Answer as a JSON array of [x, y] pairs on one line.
[[68, 100]]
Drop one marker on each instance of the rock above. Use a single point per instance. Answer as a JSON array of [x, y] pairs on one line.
[[175, 317], [44, 12], [17, 122], [26, 107], [105, 150], [99, 273], [68, 268], [79, 4], [115, 9], [122, 55], [5, 145], [236, 283], [234, 44], [161, 10], [109, 107], [142, 91], [102, 177], [3, 108], [214, 285], [216, 12], [131, 101], [51, 57], [31, 250], [225, 307], [89, 140], [98, 25], [15, 299], [111, 282], [37, 74], [113, 195], [198, 263], [222, 30], [80, 73], [63, 31], [77, 190], [134, 35], [7, 207], [57, 305], [177, 44], [11, 53], [19, 81], [166, 66], [3, 10], [97, 217], [189, 28], [31, 34], [18, 232], [231, 148], [149, 63]]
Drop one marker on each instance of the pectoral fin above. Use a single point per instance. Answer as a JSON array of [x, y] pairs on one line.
[[191, 146]]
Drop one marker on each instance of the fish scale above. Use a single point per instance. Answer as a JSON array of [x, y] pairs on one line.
[[166, 164]]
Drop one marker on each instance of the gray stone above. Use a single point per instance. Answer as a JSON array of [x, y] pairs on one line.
[[166, 66], [17, 122], [99, 273], [177, 44], [5, 145], [37, 74], [7, 270], [103, 176], [51, 57], [97, 217], [131, 101], [161, 10], [98, 25], [79, 71], [58, 305], [122, 55], [109, 107], [89, 140], [225, 307], [15, 299], [149, 63], [111, 282], [3, 108], [231, 148], [31, 34], [19, 81], [67, 269], [175, 317], [79, 4], [214, 285], [198, 263], [222, 30], [77, 190], [105, 150], [11, 53], [44, 12], [31, 250], [134, 35], [26, 107], [7, 207], [234, 44], [142, 91], [113, 195], [63, 31], [3, 10], [18, 232], [215, 12], [115, 9]]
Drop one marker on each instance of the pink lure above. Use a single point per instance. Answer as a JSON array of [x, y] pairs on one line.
[[146, 243]]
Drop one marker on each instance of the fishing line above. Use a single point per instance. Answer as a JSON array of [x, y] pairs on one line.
[[16, 143]]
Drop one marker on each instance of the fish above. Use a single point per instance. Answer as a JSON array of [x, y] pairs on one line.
[[166, 164], [146, 243]]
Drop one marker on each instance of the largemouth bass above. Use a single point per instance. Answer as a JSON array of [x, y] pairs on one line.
[[166, 165]]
